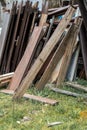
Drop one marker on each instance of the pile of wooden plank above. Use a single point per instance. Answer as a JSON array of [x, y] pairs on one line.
[[18, 24], [40, 46]]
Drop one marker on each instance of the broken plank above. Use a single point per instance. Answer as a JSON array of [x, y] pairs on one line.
[[33, 97], [44, 54]]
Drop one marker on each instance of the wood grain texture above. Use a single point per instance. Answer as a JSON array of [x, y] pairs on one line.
[[26, 58], [68, 52], [33, 97]]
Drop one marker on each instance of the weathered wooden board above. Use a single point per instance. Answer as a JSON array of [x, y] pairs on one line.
[[26, 59], [44, 54], [33, 97], [6, 76], [68, 53]]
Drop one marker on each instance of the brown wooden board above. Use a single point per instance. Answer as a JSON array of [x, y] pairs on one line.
[[33, 97], [68, 53], [26, 59]]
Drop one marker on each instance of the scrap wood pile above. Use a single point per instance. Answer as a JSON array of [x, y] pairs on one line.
[[41, 46]]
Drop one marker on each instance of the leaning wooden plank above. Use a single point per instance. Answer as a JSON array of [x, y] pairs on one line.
[[33, 97], [55, 73], [28, 18], [20, 70], [76, 86], [67, 92], [44, 54], [83, 43], [68, 53]]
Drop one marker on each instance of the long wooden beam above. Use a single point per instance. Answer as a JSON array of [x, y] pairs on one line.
[[68, 54], [33, 97], [26, 59]]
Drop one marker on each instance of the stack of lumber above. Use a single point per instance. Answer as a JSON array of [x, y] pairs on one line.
[[19, 21], [40, 46]]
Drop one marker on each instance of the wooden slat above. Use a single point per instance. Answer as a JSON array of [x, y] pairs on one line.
[[4, 76], [68, 53], [44, 54], [33, 97], [34, 40]]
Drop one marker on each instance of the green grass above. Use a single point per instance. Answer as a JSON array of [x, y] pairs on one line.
[[67, 111]]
